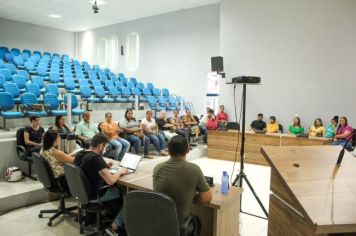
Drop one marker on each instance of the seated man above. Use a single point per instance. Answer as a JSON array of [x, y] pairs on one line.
[[85, 130], [97, 171], [259, 124], [165, 126], [183, 181], [33, 135], [191, 124]]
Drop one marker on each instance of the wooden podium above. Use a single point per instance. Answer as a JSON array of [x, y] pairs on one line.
[[310, 196]]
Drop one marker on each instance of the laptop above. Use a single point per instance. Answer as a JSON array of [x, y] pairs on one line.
[[129, 161]]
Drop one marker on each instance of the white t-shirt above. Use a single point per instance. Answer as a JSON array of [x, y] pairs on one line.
[[204, 120], [150, 125]]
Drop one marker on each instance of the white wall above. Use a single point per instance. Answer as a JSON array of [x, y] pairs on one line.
[[33, 37], [175, 49], [303, 50]]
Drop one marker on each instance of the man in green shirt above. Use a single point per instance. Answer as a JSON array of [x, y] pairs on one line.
[[183, 181], [85, 130]]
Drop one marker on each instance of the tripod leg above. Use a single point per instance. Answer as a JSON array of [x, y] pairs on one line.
[[254, 194]]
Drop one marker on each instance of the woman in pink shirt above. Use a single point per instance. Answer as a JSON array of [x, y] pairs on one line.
[[343, 133]]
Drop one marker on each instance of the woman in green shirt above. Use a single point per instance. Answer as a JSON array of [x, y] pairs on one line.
[[331, 129], [296, 128]]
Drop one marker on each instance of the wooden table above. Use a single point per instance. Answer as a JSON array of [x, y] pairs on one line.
[[310, 196], [219, 218], [222, 144]]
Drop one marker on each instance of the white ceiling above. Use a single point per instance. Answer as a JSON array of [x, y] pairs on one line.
[[77, 15]]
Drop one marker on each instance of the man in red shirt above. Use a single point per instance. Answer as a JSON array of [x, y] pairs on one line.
[[222, 116]]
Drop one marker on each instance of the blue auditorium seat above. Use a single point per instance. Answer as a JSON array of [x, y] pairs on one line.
[[108, 84], [172, 103], [53, 88], [123, 80], [25, 56], [15, 51], [152, 102], [140, 86], [20, 81], [96, 82], [19, 61], [131, 85], [3, 51], [27, 51], [150, 86], [35, 89], [40, 82], [23, 73], [42, 71], [70, 85], [47, 53], [87, 95], [2, 64], [11, 67], [165, 92], [2, 82], [6, 73], [162, 103], [100, 93], [9, 57], [13, 90], [156, 92], [51, 100], [119, 84], [30, 67], [37, 53], [6, 107], [126, 93], [28, 99], [114, 92], [75, 110], [133, 80], [83, 82]]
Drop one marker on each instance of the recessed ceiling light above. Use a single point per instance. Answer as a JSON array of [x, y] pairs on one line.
[[56, 16], [98, 2]]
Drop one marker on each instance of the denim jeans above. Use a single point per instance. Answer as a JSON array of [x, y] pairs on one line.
[[114, 194], [137, 144], [122, 146], [342, 142], [203, 129], [158, 141]]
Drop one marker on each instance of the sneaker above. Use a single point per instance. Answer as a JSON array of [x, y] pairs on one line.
[[115, 232], [148, 156], [163, 153]]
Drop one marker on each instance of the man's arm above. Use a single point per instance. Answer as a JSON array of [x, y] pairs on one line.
[[109, 178], [204, 197], [28, 141]]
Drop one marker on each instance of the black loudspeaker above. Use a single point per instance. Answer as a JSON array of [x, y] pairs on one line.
[[122, 50], [217, 64]]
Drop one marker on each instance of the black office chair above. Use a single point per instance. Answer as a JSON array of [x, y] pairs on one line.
[[88, 201], [280, 128], [233, 126], [152, 214], [54, 185], [22, 153]]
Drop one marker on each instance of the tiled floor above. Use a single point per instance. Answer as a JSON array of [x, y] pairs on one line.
[[25, 221]]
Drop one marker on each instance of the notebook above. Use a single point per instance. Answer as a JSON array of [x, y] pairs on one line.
[[129, 161]]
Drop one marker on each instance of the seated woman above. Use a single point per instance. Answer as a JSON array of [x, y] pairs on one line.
[[56, 158], [33, 135], [134, 134], [317, 130], [60, 125], [112, 130], [296, 128], [343, 133], [272, 126], [332, 128], [150, 129], [191, 124]]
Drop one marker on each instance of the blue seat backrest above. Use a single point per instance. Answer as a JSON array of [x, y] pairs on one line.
[[38, 80], [24, 73], [52, 88], [6, 73], [11, 67], [52, 100], [19, 80], [28, 98], [100, 91], [33, 88], [12, 88], [6, 101], [114, 91]]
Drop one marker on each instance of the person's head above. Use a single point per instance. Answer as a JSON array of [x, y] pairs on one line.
[[86, 117], [128, 114], [296, 121], [222, 108], [176, 113], [108, 117], [272, 119], [343, 121], [148, 114], [335, 120], [178, 147], [34, 120], [210, 112], [162, 115], [99, 142], [51, 139], [318, 122], [60, 121], [188, 112], [259, 116], [207, 109]]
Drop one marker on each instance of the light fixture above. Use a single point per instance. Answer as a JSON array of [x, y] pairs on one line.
[[98, 2], [56, 16]]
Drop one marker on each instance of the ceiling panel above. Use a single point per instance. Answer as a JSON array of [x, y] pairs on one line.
[[77, 15]]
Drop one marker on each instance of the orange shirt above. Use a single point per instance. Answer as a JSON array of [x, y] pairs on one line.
[[111, 130]]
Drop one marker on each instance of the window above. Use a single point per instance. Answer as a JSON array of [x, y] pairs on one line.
[[132, 51], [102, 52], [114, 52]]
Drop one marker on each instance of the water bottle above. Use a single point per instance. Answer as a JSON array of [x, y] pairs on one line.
[[225, 183]]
